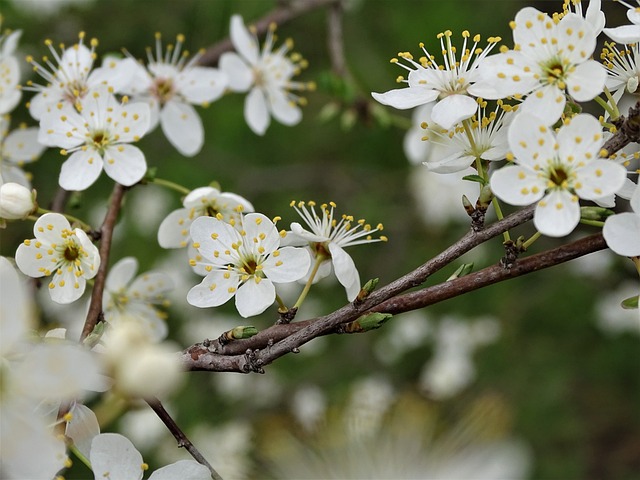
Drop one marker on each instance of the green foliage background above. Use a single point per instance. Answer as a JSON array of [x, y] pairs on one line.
[[572, 392]]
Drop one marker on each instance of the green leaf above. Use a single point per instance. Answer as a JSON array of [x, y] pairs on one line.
[[630, 303], [475, 178]]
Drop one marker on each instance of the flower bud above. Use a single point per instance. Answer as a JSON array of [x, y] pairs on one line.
[[16, 201]]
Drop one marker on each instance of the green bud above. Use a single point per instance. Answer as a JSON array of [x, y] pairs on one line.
[[329, 112], [240, 333], [94, 337], [216, 185], [464, 269], [365, 291], [595, 213], [468, 206], [486, 195], [348, 119], [150, 175], [373, 320], [630, 303]]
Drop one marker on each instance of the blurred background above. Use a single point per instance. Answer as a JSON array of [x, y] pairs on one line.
[[533, 378]]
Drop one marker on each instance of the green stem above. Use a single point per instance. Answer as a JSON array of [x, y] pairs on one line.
[[609, 109], [533, 238], [615, 113], [636, 261], [496, 205], [593, 223], [281, 305], [170, 185], [319, 259], [80, 456]]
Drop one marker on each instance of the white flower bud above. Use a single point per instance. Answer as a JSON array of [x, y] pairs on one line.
[[16, 201]]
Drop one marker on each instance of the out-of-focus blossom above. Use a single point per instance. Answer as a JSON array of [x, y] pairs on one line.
[[627, 33], [10, 94], [17, 148], [622, 231]]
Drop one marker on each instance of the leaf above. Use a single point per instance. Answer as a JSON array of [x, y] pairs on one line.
[[630, 303], [475, 178]]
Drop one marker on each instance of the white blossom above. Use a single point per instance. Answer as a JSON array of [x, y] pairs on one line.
[[17, 147], [627, 33], [326, 239], [171, 85], [58, 251], [266, 74], [10, 94], [134, 299], [556, 170], [97, 136], [16, 201], [450, 84], [203, 201], [550, 57], [70, 77], [244, 263]]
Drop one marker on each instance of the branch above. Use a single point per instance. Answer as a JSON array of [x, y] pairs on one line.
[[279, 16], [183, 440], [279, 340], [106, 234], [628, 130]]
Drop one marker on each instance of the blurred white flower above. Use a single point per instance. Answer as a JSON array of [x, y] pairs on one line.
[[622, 231], [10, 93], [17, 147], [626, 33], [612, 319]]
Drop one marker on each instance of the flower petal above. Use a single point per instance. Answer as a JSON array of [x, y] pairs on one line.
[[346, 271], [621, 232], [240, 75], [600, 178], [256, 113], [121, 274], [113, 456], [174, 229], [182, 469], [125, 164], [586, 81], [254, 297], [182, 126], [557, 214], [245, 43], [200, 85], [214, 290], [405, 98], [517, 185], [80, 170], [289, 265], [453, 109], [547, 103]]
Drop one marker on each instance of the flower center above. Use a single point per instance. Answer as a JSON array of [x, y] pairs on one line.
[[100, 140], [558, 177], [556, 73], [71, 253], [163, 89]]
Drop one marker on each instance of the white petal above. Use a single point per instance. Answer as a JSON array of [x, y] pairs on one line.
[[557, 214], [22, 145], [134, 122], [586, 81], [213, 291], [622, 234], [151, 287], [547, 103], [531, 141], [240, 75], [80, 170], [626, 34], [182, 469], [581, 140], [404, 98], [256, 113], [257, 225], [575, 31], [113, 456], [65, 287], [174, 230], [283, 109], [243, 41], [453, 109], [253, 298], [290, 265], [517, 185], [125, 164], [600, 178], [82, 428], [201, 84], [121, 274], [345, 270], [182, 126]]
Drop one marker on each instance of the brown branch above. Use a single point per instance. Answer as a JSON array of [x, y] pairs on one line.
[[335, 42], [282, 339], [628, 131], [180, 436], [106, 234], [279, 16]]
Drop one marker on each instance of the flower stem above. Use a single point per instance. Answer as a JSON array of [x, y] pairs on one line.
[[170, 185], [593, 223], [611, 110], [615, 113], [496, 205], [531, 240], [80, 456], [281, 305], [319, 259]]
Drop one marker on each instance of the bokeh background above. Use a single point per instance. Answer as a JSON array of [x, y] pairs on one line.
[[537, 377]]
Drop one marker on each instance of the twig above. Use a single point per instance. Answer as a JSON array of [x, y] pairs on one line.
[[106, 231], [335, 42], [183, 440], [279, 16], [628, 131], [287, 338]]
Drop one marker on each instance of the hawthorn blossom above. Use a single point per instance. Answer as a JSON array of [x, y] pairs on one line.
[[556, 170], [10, 94], [200, 202], [622, 231], [549, 60], [623, 73], [58, 251], [134, 299], [97, 136], [326, 239], [16, 201], [17, 148], [627, 33], [450, 85], [113, 456], [170, 85], [266, 75], [243, 263], [70, 77]]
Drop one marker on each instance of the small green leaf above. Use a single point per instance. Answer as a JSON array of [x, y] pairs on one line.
[[475, 178]]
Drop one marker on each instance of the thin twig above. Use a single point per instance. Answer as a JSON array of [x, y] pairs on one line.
[[106, 231], [335, 42], [278, 16], [180, 436]]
